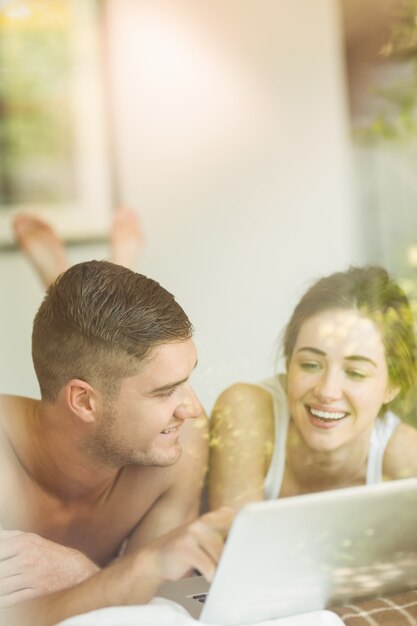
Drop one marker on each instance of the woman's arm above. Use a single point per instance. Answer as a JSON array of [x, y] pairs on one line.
[[241, 445]]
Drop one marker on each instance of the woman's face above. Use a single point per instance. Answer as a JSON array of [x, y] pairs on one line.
[[337, 378]]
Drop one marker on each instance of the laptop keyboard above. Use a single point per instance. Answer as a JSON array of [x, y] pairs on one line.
[[201, 597]]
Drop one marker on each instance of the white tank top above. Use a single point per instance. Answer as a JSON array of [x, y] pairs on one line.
[[381, 433]]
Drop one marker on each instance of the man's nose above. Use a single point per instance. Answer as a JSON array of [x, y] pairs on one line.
[[189, 406]]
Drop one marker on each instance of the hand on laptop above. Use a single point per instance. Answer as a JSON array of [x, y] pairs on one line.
[[197, 545], [31, 566]]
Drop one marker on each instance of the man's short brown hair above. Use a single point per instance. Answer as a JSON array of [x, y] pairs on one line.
[[98, 322]]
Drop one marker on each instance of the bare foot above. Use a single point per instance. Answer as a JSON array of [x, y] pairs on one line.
[[126, 238], [42, 247]]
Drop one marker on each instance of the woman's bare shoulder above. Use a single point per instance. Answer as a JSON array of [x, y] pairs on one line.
[[243, 408], [242, 432], [400, 458], [242, 394]]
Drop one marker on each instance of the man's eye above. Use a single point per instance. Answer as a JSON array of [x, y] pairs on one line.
[[168, 393]]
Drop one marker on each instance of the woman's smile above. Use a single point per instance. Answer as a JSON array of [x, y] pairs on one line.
[[329, 418]]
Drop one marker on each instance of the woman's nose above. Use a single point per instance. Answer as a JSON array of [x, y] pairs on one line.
[[328, 387]]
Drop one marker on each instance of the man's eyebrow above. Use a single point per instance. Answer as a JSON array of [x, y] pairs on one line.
[[169, 386], [351, 357]]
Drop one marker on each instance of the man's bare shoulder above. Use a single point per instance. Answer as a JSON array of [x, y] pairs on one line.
[[14, 409], [13, 412]]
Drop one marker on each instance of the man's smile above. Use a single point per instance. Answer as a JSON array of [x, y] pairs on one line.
[[171, 429]]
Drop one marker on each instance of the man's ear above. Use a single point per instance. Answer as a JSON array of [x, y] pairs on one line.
[[391, 394], [82, 399]]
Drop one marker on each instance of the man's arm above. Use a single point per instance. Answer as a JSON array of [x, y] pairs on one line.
[[135, 578], [31, 566], [180, 503]]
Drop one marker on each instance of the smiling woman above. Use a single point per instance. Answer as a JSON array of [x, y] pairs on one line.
[[336, 390], [350, 352]]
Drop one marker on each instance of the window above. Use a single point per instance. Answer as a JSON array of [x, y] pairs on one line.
[[53, 144]]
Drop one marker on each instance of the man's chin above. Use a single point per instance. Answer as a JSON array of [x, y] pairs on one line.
[[160, 458]]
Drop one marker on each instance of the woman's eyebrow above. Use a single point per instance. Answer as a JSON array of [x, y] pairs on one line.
[[359, 357], [315, 350], [351, 357]]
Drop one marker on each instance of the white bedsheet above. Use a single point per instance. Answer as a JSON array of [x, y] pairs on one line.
[[162, 612]]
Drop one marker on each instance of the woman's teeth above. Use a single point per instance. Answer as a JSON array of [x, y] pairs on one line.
[[327, 415]]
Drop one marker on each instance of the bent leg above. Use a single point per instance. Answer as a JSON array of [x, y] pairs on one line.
[[42, 247], [126, 238]]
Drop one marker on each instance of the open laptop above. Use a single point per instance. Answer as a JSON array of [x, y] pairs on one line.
[[295, 555]]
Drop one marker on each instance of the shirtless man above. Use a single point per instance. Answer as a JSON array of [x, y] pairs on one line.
[[113, 455]]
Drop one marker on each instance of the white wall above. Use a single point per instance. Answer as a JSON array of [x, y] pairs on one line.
[[232, 142]]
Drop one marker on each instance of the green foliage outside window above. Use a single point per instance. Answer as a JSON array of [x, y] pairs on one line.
[[395, 125], [35, 109], [397, 119]]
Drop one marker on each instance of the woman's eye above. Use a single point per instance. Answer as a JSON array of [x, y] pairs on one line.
[[355, 374], [310, 366]]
